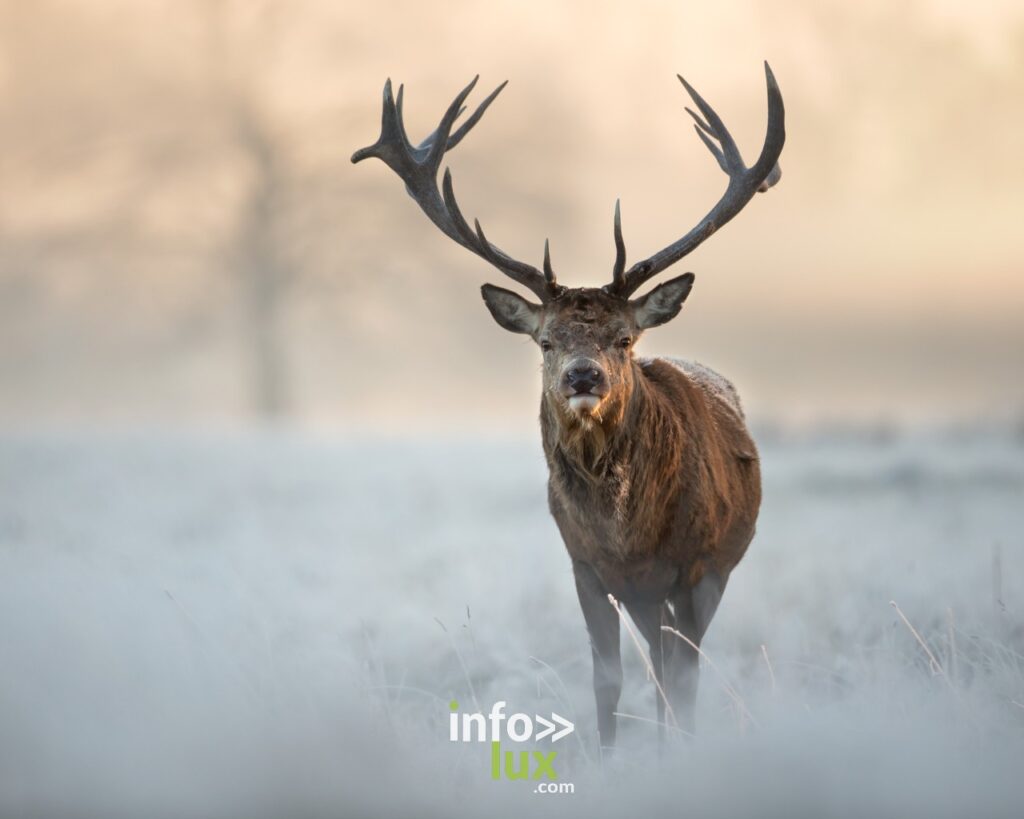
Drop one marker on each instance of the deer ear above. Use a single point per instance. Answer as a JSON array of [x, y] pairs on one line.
[[511, 311], [662, 303]]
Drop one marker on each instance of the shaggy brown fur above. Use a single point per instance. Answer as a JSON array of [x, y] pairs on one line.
[[671, 478], [655, 489]]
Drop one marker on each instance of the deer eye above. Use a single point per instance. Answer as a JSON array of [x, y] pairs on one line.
[[624, 342], [545, 345]]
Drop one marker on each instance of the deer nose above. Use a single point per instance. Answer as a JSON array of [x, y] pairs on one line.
[[583, 377]]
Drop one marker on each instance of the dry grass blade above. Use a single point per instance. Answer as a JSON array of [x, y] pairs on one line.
[[681, 731], [564, 700], [462, 664], [934, 664], [954, 663], [725, 682], [767, 662], [647, 662]]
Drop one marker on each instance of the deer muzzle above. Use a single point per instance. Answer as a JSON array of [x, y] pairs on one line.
[[584, 385]]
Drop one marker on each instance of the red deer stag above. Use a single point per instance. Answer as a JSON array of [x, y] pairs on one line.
[[654, 480]]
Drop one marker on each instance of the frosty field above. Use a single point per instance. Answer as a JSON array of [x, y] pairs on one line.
[[273, 624]]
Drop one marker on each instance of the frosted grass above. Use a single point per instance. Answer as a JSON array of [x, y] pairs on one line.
[[274, 623]]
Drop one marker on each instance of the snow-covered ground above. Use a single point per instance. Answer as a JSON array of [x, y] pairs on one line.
[[274, 623]]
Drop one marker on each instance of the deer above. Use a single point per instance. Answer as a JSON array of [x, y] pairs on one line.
[[654, 479]]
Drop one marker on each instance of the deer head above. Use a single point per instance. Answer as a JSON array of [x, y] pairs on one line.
[[586, 334]]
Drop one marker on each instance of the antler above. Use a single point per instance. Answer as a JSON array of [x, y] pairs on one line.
[[744, 182], [417, 167]]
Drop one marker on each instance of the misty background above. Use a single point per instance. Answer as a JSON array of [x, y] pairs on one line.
[[271, 488], [182, 237]]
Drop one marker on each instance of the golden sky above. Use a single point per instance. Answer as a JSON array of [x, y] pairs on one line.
[[882, 278]]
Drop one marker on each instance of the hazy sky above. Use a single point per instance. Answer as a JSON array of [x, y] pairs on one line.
[[883, 277]]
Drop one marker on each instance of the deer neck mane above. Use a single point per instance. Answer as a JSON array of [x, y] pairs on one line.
[[596, 447]]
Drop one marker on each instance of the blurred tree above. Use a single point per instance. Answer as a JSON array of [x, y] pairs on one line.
[[256, 251]]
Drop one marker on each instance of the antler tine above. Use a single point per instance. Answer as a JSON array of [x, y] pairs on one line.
[[744, 182], [775, 137], [400, 118], [466, 127], [440, 137], [542, 285], [474, 118], [705, 133], [417, 167], [714, 126], [620, 249], [549, 273], [390, 132]]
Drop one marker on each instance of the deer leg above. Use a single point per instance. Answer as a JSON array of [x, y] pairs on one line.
[[603, 627], [649, 618], [694, 609]]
